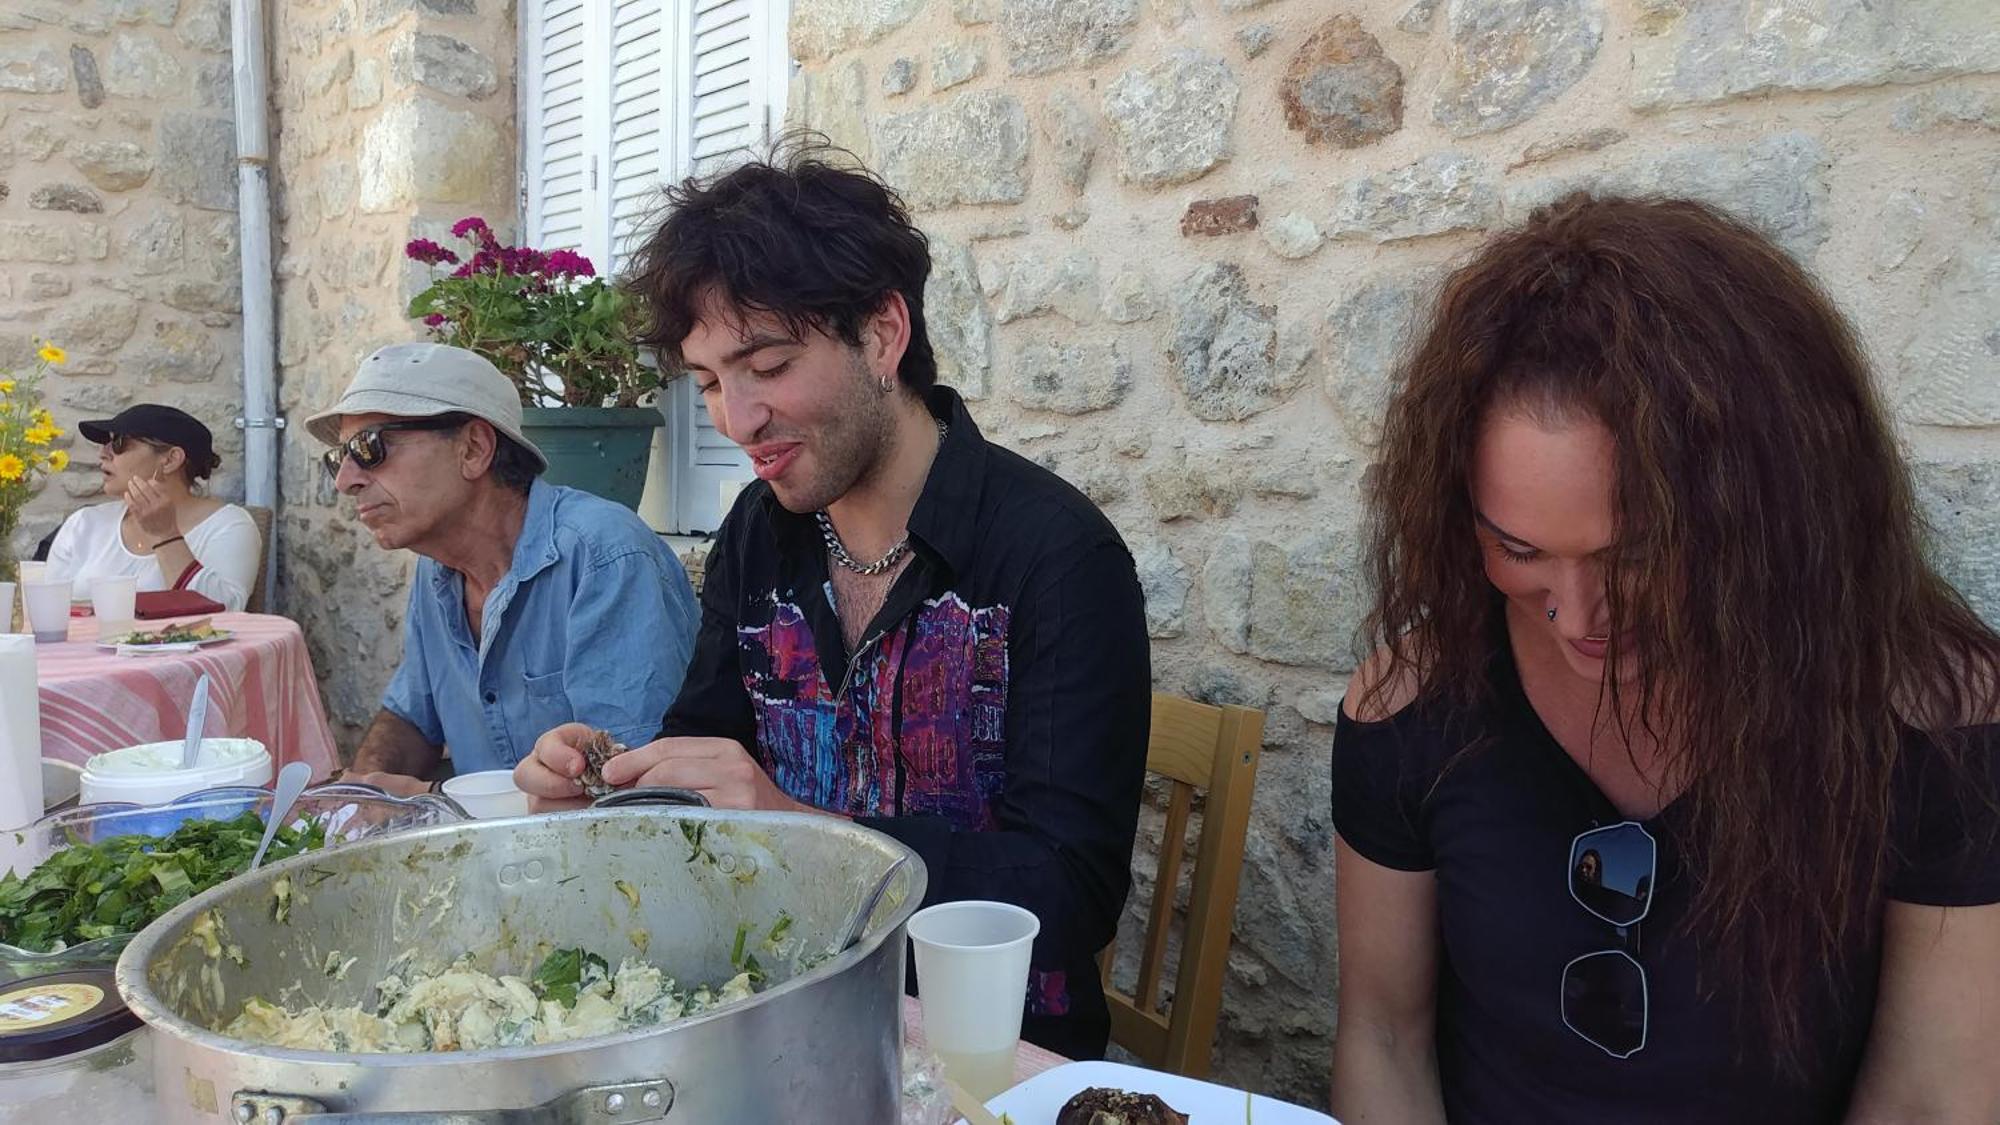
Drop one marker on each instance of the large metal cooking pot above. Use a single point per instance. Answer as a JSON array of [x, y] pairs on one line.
[[820, 1043]]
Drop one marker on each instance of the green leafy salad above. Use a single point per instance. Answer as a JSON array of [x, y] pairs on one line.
[[91, 891]]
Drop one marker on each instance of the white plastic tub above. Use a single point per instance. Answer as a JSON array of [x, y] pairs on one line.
[[151, 774]]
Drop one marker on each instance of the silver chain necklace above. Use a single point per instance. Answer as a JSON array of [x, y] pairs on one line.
[[837, 551]]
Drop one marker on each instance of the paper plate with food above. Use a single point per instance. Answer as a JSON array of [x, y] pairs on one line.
[[1108, 1093], [177, 637]]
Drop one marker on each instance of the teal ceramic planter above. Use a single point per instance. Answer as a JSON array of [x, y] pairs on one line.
[[600, 449]]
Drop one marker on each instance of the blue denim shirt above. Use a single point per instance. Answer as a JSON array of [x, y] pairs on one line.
[[593, 623]]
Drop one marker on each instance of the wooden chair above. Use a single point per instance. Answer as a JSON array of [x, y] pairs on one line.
[[262, 518], [1213, 749]]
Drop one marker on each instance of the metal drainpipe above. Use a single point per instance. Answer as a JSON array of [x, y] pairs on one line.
[[259, 421]]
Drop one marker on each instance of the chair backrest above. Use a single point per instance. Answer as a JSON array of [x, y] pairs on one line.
[[1213, 749], [262, 518]]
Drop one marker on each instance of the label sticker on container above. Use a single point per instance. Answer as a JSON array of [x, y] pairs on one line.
[[47, 1004]]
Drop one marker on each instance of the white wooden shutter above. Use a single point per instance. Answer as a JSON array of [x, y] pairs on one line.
[[555, 162], [646, 92]]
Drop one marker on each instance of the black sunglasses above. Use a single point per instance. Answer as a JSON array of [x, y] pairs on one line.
[[119, 443], [1604, 995], [369, 450]]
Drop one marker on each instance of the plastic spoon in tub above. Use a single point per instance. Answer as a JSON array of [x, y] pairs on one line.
[[197, 722], [858, 925], [291, 782]]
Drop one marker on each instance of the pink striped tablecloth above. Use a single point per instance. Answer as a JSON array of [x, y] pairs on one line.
[[1029, 1060], [261, 687]]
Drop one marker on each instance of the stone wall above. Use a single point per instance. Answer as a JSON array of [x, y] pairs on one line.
[[393, 119], [118, 227], [1179, 242]]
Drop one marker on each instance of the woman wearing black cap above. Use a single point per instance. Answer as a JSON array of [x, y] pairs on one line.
[[158, 530]]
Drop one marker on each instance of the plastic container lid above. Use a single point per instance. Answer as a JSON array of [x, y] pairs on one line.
[[151, 774], [60, 1014]]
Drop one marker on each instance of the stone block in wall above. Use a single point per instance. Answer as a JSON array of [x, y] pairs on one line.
[[1211, 217], [113, 165], [1692, 54], [1039, 283], [1962, 502], [900, 77], [94, 325], [834, 100], [1165, 581], [1417, 19], [419, 150], [1292, 236], [821, 29], [1172, 120], [1949, 371], [955, 64], [140, 67], [1778, 183], [957, 320], [972, 13], [1043, 36], [1298, 601], [206, 25], [1130, 298], [1366, 335], [159, 12], [43, 286], [32, 69], [1193, 485], [447, 65], [1340, 89], [175, 351], [1068, 375], [54, 242], [1947, 105], [197, 161], [155, 246], [970, 149], [66, 197], [1254, 40], [1509, 59], [1227, 355], [1072, 132], [89, 84], [381, 13], [1439, 194]]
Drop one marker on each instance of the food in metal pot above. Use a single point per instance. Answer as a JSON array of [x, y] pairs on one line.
[[1102, 1105], [90, 891], [572, 994], [598, 749]]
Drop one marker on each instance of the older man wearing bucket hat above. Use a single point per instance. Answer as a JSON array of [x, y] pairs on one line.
[[531, 600]]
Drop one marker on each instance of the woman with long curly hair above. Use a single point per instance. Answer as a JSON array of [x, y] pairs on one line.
[[1668, 794]]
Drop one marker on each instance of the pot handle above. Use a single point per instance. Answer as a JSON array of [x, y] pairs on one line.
[[624, 1103], [650, 795]]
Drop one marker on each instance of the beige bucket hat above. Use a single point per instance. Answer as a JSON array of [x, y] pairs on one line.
[[422, 381]]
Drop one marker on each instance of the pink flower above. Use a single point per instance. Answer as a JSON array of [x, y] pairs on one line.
[[428, 252], [569, 263], [434, 320]]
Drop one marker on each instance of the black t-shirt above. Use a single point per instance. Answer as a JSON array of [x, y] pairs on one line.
[[1496, 823]]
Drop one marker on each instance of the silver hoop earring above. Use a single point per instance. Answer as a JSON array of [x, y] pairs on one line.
[[886, 388], [1552, 615]]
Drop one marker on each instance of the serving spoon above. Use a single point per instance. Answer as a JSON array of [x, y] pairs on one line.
[[291, 782]]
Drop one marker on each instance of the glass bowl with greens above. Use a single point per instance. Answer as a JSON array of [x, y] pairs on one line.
[[78, 883]]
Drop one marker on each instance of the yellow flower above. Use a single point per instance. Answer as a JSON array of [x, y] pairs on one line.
[[39, 435], [59, 460], [42, 417], [6, 386], [11, 467], [53, 355]]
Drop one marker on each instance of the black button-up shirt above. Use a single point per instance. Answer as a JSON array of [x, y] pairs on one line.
[[993, 718]]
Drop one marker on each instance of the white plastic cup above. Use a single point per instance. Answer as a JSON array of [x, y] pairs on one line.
[[972, 979], [47, 606], [488, 794], [114, 602]]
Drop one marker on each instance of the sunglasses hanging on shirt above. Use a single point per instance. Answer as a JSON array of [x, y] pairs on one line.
[[1604, 995]]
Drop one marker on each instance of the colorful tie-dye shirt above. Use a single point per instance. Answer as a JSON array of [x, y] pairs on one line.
[[993, 717]]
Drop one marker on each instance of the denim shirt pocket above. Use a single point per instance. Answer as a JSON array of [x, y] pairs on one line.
[[542, 705]]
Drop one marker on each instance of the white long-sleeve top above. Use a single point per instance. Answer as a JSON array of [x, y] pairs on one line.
[[226, 544]]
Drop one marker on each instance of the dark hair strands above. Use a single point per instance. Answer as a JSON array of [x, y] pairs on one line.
[[806, 234], [1769, 571]]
